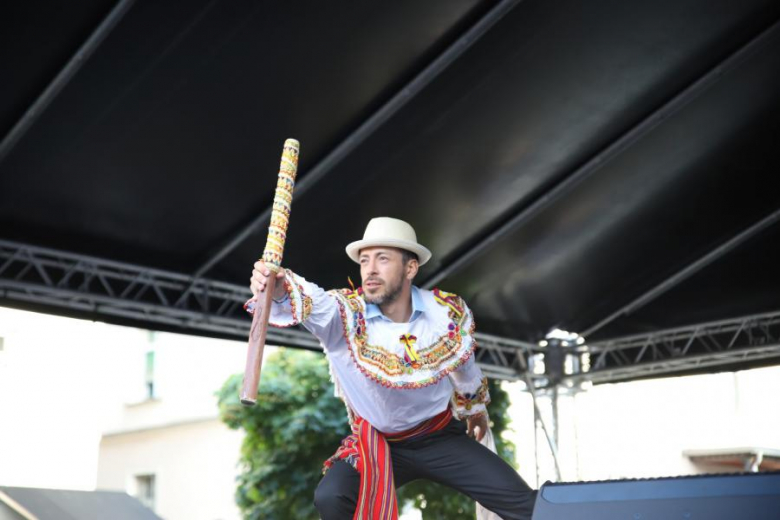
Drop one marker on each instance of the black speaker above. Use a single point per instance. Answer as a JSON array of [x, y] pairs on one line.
[[750, 496]]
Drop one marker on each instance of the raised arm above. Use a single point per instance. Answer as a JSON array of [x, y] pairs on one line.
[[297, 301]]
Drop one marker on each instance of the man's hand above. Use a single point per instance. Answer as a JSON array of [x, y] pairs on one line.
[[478, 425], [259, 280]]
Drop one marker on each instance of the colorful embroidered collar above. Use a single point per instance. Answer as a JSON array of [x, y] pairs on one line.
[[448, 327]]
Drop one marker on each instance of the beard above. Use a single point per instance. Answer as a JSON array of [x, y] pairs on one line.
[[390, 293]]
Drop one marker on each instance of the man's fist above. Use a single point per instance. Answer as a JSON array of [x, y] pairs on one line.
[[259, 280]]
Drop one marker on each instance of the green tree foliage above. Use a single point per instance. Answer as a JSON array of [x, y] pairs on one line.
[[296, 424]]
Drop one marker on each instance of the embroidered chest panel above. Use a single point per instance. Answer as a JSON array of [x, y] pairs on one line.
[[409, 362]]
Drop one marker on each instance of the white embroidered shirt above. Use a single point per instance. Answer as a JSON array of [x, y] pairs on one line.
[[394, 375]]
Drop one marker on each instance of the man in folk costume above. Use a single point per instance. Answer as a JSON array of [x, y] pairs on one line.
[[402, 360]]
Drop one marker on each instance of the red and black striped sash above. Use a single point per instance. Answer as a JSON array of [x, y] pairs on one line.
[[368, 451]]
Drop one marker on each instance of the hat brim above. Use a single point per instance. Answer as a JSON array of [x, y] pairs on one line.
[[423, 254]]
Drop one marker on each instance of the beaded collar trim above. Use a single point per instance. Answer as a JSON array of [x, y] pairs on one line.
[[425, 365]]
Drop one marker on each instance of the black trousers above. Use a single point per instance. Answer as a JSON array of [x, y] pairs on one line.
[[448, 457]]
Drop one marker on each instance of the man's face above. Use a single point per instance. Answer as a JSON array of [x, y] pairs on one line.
[[383, 272]]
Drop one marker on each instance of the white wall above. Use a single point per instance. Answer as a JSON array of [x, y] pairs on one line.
[[56, 389], [64, 382], [194, 466], [188, 372], [521, 431], [640, 429], [758, 402]]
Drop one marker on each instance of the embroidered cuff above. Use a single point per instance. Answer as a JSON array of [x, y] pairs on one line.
[[283, 299], [468, 404], [293, 309]]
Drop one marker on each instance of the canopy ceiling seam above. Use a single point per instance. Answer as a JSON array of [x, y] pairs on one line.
[[687, 271], [618, 146], [370, 125], [63, 77]]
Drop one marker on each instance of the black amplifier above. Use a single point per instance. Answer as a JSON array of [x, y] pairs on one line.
[[748, 496]]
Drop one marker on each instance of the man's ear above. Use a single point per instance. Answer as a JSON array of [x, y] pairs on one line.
[[412, 266]]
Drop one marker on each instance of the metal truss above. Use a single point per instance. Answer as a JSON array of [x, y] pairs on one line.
[[503, 358], [731, 342], [92, 286], [112, 289]]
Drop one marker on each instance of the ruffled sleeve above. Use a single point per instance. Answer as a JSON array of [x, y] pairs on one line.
[[294, 307], [470, 395], [306, 304]]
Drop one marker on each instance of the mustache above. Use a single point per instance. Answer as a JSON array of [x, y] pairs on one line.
[[373, 279]]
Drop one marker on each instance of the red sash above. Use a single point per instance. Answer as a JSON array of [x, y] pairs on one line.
[[368, 451]]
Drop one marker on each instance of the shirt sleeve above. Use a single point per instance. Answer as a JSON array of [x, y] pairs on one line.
[[306, 304], [470, 387], [470, 390]]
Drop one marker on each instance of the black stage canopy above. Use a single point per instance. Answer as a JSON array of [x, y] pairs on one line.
[[603, 167]]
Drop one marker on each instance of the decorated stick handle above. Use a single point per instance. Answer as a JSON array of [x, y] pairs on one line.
[[272, 258], [280, 216]]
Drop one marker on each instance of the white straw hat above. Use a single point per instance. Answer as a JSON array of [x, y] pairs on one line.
[[391, 232]]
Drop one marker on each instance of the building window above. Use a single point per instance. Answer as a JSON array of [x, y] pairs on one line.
[[149, 375], [145, 490]]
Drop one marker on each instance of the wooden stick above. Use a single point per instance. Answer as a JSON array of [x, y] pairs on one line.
[[272, 257], [257, 334]]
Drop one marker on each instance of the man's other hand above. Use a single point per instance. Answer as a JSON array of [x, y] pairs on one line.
[[478, 425]]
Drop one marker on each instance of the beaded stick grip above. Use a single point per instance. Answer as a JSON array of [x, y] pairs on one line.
[[272, 258]]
